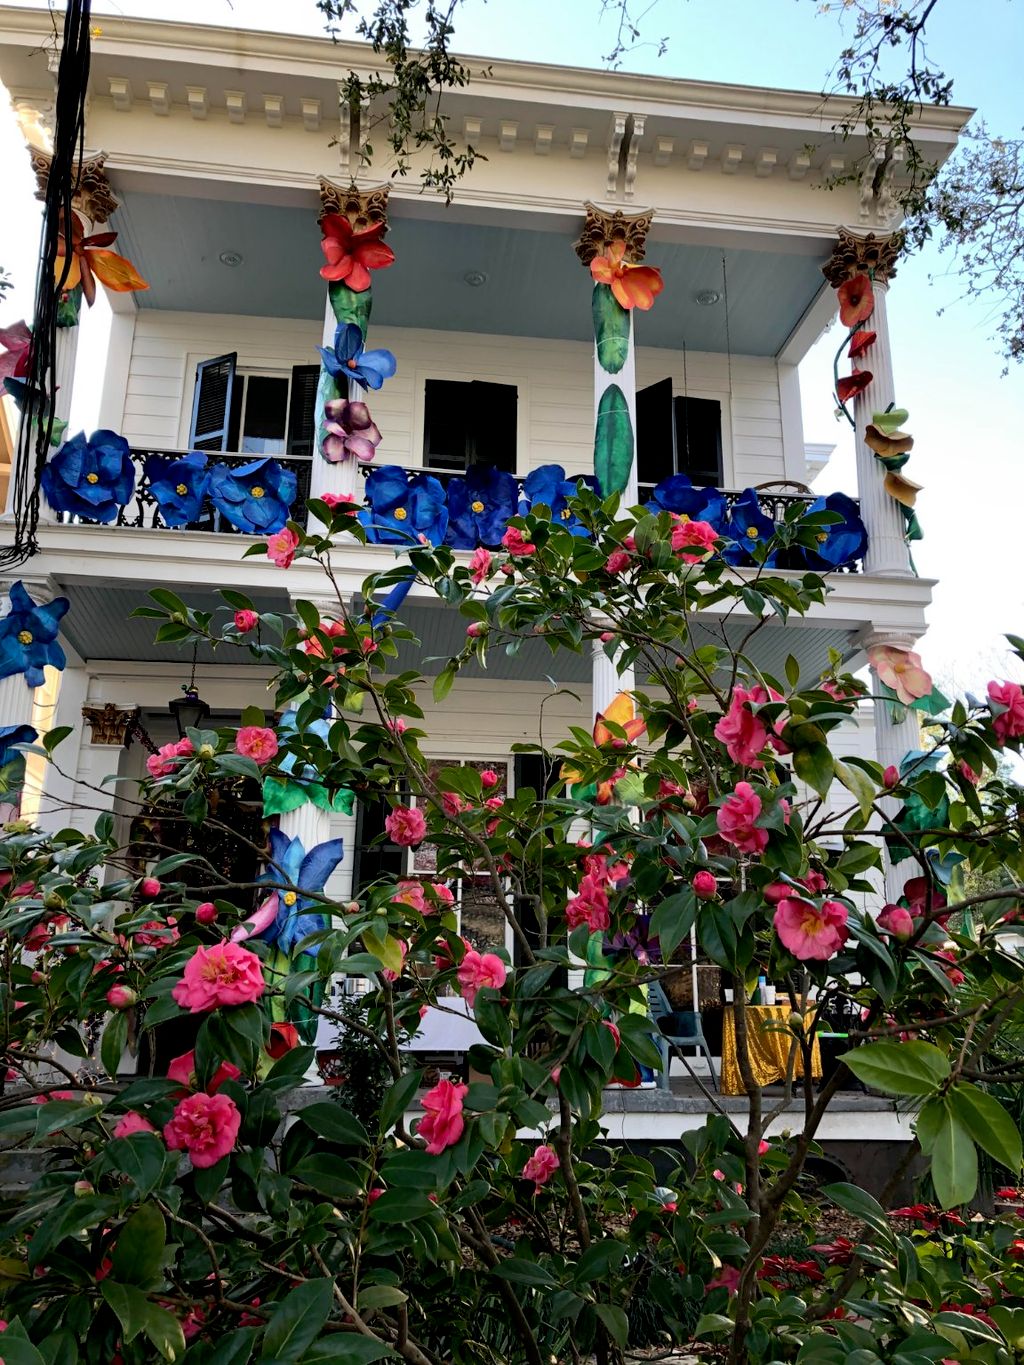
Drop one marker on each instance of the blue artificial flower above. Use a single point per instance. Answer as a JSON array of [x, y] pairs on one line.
[[842, 542], [93, 478], [677, 494], [547, 484], [286, 728], [404, 509], [349, 360], [179, 486], [747, 529], [256, 497], [28, 636], [479, 507], [12, 735], [284, 918]]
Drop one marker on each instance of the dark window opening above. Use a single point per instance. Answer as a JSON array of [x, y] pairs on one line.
[[469, 422], [374, 856], [676, 435]]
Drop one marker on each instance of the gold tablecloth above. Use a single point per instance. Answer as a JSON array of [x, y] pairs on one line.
[[768, 1048]]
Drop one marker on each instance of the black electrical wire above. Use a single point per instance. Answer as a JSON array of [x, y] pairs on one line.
[[41, 381]]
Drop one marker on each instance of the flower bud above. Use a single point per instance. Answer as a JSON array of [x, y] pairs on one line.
[[606, 637], [149, 888], [246, 620], [84, 1187], [121, 997], [705, 886], [891, 777], [206, 913], [476, 630], [207, 751]]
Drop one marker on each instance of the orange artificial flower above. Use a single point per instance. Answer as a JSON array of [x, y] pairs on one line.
[[634, 286], [89, 263], [856, 300], [621, 712], [860, 342], [352, 255], [850, 385]]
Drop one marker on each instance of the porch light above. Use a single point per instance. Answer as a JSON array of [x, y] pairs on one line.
[[189, 710]]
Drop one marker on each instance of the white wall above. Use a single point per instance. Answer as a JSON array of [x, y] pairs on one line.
[[554, 379]]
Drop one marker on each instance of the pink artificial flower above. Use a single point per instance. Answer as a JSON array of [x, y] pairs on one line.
[[705, 885], [810, 933], [183, 1070], [257, 742], [246, 620], [132, 1122], [480, 565], [896, 921], [281, 547], [743, 734], [489, 778], [349, 431], [410, 893], [17, 342], [516, 543], [405, 826], [226, 974], [617, 562], [1008, 719], [442, 1125], [688, 536], [205, 1126], [900, 670], [541, 1166], [589, 907], [479, 969], [736, 818]]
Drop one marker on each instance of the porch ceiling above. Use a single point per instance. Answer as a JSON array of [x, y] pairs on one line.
[[534, 285]]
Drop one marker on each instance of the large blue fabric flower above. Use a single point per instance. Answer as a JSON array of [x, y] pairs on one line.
[[548, 484], [90, 478], [350, 360], [747, 529], [256, 497], [28, 636], [677, 494], [404, 509], [479, 507], [11, 735], [842, 542], [179, 486], [284, 918]]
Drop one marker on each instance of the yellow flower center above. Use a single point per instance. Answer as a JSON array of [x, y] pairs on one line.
[[683, 516], [257, 492], [565, 514], [751, 532], [92, 478], [289, 898], [821, 537], [24, 637], [400, 514], [477, 506], [181, 489]]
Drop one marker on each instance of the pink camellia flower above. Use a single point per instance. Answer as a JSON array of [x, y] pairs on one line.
[[705, 885], [728, 1278], [953, 973], [410, 893], [442, 893], [205, 1126], [479, 969], [736, 818], [891, 777], [489, 778], [613, 1029], [257, 742], [896, 921], [149, 888], [226, 974], [397, 727], [442, 1125], [246, 620], [121, 997], [350, 432], [206, 913], [1008, 710], [153, 934], [183, 1070], [541, 1166], [900, 669], [743, 734], [763, 1147], [480, 565], [281, 547], [589, 907], [132, 1122], [453, 805], [166, 758], [405, 826], [693, 540], [810, 933], [967, 773], [516, 543], [617, 562], [923, 898], [815, 882]]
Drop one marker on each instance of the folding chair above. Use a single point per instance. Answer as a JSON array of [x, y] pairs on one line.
[[677, 1029]]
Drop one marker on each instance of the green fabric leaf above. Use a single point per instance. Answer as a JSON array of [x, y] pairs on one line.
[[349, 306], [613, 441], [611, 329]]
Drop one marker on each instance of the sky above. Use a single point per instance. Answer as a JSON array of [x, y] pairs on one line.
[[967, 420]]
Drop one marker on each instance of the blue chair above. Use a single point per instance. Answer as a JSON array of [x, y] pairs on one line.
[[677, 1029]]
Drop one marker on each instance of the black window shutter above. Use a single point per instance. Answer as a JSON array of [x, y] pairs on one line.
[[301, 438], [374, 856], [211, 404], [655, 437], [699, 439], [493, 434], [446, 423]]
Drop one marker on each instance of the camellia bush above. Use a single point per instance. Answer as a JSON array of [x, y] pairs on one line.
[[212, 1213]]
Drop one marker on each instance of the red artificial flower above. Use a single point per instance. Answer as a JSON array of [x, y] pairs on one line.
[[860, 342], [352, 255], [283, 1037], [852, 384], [89, 263], [856, 300], [634, 286]]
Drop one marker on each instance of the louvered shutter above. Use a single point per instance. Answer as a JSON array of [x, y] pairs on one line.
[[301, 438], [211, 405]]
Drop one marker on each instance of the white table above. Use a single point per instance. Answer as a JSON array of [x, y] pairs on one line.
[[448, 1029]]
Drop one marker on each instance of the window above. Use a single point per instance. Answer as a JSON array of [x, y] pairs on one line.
[[469, 422], [259, 414], [676, 435], [255, 414]]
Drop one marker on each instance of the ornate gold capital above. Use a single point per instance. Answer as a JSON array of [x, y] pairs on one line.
[[92, 193], [362, 208], [863, 253], [602, 227], [111, 724]]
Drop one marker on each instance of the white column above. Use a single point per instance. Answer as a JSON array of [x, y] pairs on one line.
[[344, 479], [57, 798], [893, 741], [607, 681]]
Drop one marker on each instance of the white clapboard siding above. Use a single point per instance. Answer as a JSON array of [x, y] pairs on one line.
[[554, 379], [482, 718]]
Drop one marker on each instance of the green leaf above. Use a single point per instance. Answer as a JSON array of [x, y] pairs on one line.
[[345, 1348], [384, 946], [381, 1296], [615, 1321], [336, 1124], [520, 1271], [115, 1036], [599, 1260], [398, 1099], [613, 441], [18, 1349], [855, 780], [297, 1320], [853, 1199], [954, 1163], [673, 919], [988, 1123], [136, 1314], [611, 329], [139, 1251], [443, 682], [912, 1068], [235, 1348], [928, 1123], [815, 766]]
